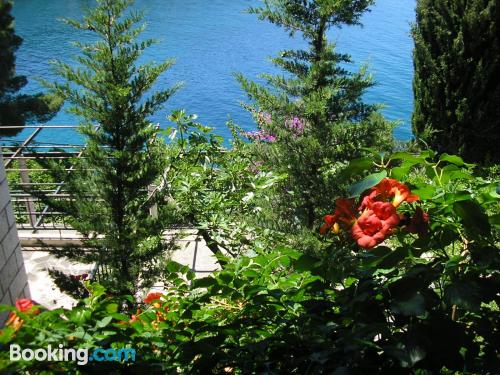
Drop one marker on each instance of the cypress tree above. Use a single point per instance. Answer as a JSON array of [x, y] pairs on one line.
[[18, 109], [312, 117], [457, 77], [109, 201]]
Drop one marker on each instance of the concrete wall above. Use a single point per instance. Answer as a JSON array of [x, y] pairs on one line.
[[13, 280]]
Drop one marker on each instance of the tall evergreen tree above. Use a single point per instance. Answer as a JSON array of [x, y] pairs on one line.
[[17, 109], [109, 201], [313, 116], [457, 77]]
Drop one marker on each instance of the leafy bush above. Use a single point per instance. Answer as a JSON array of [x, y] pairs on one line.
[[215, 188], [421, 301]]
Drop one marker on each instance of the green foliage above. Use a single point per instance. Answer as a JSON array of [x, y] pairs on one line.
[[422, 301], [414, 304], [16, 109], [314, 111], [216, 189], [109, 199], [456, 85]]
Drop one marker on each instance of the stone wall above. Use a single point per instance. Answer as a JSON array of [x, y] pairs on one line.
[[13, 280]]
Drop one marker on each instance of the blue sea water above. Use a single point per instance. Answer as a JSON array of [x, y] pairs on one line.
[[211, 40]]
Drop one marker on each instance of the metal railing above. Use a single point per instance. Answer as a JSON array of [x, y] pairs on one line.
[[31, 213]]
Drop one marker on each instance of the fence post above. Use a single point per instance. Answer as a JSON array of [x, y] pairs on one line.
[[153, 210], [25, 179]]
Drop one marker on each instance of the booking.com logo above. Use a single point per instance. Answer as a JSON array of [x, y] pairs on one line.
[[82, 356]]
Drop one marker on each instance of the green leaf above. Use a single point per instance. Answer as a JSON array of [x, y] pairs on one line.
[[368, 182], [357, 166], [7, 308], [6, 335], [226, 277], [79, 316], [454, 159], [464, 295], [120, 316], [494, 191], [291, 253], [174, 267], [372, 258], [457, 196], [406, 157], [305, 263], [112, 307], [104, 322], [447, 173], [251, 274], [491, 195], [473, 217], [495, 220], [190, 275], [425, 192], [393, 258], [399, 173], [96, 290], [414, 306]]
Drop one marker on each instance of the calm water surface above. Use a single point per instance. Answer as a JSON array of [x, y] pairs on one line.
[[212, 39]]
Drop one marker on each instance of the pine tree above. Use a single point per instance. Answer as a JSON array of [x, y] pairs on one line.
[[313, 117], [457, 77], [109, 200], [18, 109]]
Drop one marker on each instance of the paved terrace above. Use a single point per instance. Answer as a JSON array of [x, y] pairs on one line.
[[193, 252]]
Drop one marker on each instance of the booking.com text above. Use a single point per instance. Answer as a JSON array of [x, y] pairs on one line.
[[81, 356]]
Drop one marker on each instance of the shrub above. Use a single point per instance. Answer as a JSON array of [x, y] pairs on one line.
[[425, 300], [215, 188]]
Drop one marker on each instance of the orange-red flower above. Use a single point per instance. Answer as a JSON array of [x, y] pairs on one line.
[[386, 190], [344, 214], [153, 296], [330, 223], [154, 299], [160, 315], [378, 217], [24, 305], [375, 224], [135, 317]]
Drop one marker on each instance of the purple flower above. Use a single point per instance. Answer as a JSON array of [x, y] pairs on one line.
[[270, 138], [295, 125], [264, 118], [260, 135]]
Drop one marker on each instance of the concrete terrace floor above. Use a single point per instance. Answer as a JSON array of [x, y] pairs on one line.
[[192, 252]]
